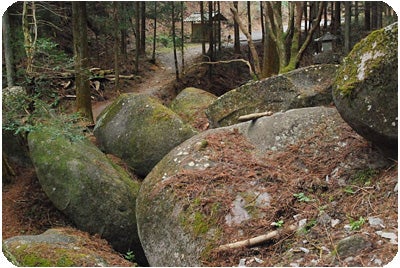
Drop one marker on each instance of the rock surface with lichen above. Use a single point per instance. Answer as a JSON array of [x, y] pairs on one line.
[[366, 85], [226, 184], [305, 87], [190, 104], [140, 130], [57, 247], [96, 195]]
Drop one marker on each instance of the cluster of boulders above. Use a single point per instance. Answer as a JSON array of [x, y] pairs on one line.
[[163, 219]]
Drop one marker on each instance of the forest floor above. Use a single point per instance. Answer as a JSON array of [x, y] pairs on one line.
[[26, 210]]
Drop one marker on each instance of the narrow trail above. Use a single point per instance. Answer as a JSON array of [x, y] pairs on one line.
[[163, 73]]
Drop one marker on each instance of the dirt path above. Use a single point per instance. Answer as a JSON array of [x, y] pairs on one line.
[[163, 73]]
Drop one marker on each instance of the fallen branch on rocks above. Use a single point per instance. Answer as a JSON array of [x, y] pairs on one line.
[[222, 62], [257, 240], [254, 116]]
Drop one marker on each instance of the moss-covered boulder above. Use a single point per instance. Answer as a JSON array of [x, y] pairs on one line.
[[97, 195], [140, 130], [366, 85], [304, 87], [60, 247], [227, 184], [190, 104]]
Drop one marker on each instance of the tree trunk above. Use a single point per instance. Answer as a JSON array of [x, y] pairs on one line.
[[116, 44], [367, 15], [270, 59], [143, 27], [174, 41], [8, 51], [203, 32], [295, 44], [153, 57], [253, 50], [337, 22], [262, 22], [182, 42], [236, 33], [356, 13], [347, 23], [137, 35], [374, 15], [81, 60], [210, 31], [219, 26], [29, 27], [249, 25]]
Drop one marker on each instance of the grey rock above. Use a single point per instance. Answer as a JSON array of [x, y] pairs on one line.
[[376, 222], [304, 87], [140, 130], [97, 195], [389, 235], [366, 87], [55, 247], [352, 245], [170, 211]]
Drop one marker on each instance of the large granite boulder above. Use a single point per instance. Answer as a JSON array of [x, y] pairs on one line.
[[228, 183], [96, 194], [304, 87], [365, 90], [140, 130], [190, 104], [60, 247]]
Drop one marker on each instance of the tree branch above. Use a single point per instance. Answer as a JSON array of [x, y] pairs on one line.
[[224, 61], [256, 240]]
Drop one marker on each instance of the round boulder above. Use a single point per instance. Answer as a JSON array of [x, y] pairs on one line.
[[226, 183], [96, 194], [60, 247], [365, 89], [305, 87], [190, 104], [140, 130]]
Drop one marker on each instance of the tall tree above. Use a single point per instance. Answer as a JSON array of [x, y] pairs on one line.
[[137, 35], [116, 43], [347, 23], [81, 60], [8, 51], [279, 36], [174, 40], [29, 27], [142, 27], [203, 32], [367, 15], [210, 31], [182, 40], [270, 57], [236, 34], [153, 57]]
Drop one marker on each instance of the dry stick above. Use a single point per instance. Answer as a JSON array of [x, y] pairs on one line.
[[256, 240], [254, 116], [224, 61]]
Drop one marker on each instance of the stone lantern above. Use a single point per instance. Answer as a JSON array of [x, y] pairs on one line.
[[326, 41]]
